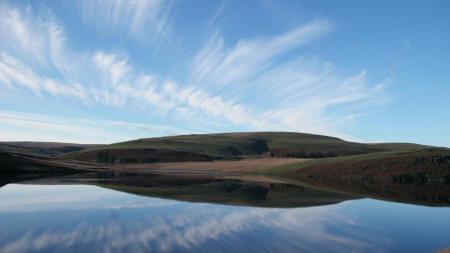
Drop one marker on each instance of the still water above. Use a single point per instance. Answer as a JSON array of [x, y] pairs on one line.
[[81, 216]]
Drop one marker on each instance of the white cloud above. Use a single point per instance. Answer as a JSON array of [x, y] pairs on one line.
[[13, 71], [258, 84], [143, 19], [36, 41], [218, 66], [298, 94], [17, 126]]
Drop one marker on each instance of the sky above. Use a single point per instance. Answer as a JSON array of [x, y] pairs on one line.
[[107, 71]]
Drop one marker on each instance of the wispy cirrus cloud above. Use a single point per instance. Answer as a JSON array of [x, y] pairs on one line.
[[265, 83], [295, 93], [220, 65], [25, 126], [14, 72], [32, 55], [142, 19]]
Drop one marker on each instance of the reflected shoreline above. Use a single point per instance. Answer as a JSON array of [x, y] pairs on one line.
[[189, 212], [217, 188], [430, 193], [256, 190]]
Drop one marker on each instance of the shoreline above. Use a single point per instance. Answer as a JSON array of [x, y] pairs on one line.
[[403, 167]]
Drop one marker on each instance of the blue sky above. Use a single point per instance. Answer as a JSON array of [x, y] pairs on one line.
[[108, 71]]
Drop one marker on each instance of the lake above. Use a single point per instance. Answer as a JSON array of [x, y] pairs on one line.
[[176, 212]]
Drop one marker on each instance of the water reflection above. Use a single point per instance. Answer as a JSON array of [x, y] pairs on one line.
[[419, 193], [113, 222], [232, 189], [76, 218]]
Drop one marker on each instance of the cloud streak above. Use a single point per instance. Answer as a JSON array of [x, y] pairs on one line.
[[258, 84], [75, 130], [249, 58], [142, 19]]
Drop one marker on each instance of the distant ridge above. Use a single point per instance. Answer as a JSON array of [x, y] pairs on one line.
[[398, 146], [226, 146], [43, 148]]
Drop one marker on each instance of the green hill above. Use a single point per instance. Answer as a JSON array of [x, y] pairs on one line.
[[397, 146], [209, 147], [43, 148]]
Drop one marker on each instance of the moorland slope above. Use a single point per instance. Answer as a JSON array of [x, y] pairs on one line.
[[420, 165], [43, 148], [229, 146]]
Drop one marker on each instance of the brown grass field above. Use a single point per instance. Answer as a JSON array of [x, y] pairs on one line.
[[243, 165]]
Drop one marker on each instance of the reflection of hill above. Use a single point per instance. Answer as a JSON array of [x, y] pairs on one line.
[[430, 194], [251, 190], [211, 188], [239, 193]]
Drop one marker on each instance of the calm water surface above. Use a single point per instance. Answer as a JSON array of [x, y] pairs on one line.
[[90, 218]]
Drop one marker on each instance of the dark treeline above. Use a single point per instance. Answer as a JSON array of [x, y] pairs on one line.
[[103, 157]]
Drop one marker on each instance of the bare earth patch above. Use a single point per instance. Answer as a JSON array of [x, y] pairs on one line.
[[221, 166]]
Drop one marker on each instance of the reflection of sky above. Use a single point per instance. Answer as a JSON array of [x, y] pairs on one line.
[[17, 198], [86, 218]]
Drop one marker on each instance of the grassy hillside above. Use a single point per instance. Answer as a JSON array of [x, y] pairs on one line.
[[43, 148], [331, 160], [218, 146], [397, 146], [418, 165], [214, 144]]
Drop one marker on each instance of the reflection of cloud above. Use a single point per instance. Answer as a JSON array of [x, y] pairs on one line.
[[33, 198], [187, 227]]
